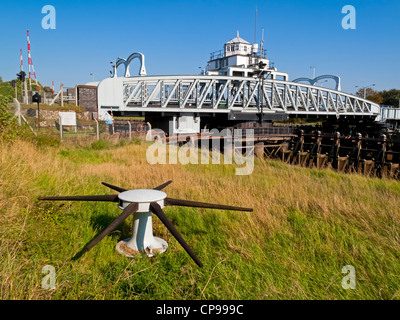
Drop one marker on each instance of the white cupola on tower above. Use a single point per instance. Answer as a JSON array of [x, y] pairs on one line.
[[237, 46], [240, 58]]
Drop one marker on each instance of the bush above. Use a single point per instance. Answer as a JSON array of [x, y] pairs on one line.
[[8, 123], [50, 141], [6, 90], [100, 144]]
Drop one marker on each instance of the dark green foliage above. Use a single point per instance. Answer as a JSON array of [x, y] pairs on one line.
[[7, 120], [391, 97], [47, 141], [100, 144], [386, 97], [6, 90]]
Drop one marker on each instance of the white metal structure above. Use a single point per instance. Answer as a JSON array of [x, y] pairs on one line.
[[239, 83], [142, 231], [67, 118], [25, 95], [224, 94], [316, 79], [390, 114], [126, 62], [30, 64], [140, 203]]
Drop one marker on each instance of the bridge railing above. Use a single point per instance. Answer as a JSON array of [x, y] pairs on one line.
[[202, 93], [390, 113]]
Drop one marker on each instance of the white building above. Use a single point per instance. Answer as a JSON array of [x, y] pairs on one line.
[[241, 58]]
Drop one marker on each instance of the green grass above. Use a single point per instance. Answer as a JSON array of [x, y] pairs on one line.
[[306, 225]]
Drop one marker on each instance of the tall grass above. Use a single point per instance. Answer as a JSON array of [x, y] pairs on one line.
[[306, 225]]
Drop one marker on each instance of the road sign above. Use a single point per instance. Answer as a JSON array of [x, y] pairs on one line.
[[67, 118]]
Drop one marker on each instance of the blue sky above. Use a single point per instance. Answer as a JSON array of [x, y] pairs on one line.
[[177, 37]]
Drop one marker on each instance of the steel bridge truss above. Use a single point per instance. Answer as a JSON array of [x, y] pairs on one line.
[[223, 94]]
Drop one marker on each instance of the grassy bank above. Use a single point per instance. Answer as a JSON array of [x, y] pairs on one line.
[[306, 225]]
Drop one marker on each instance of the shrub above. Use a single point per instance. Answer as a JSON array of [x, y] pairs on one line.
[[100, 144], [8, 123], [50, 141]]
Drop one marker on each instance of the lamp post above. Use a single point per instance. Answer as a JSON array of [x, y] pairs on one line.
[[365, 88], [37, 98], [92, 76], [261, 65], [313, 67]]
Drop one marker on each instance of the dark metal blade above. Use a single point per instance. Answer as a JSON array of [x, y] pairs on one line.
[[125, 214], [156, 209], [114, 187], [196, 204], [162, 186], [108, 197]]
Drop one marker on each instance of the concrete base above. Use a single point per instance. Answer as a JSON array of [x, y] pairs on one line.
[[158, 246], [142, 240]]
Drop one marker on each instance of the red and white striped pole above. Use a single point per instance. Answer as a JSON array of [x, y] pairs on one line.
[[29, 59], [24, 96], [52, 85], [30, 64], [22, 68]]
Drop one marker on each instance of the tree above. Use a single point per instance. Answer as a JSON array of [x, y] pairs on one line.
[[391, 97], [7, 119], [370, 94], [47, 89], [6, 90]]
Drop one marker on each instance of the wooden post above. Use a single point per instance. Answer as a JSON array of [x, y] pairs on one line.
[[38, 116], [22, 94], [97, 130], [18, 106], [76, 95], [25, 100], [298, 147], [334, 153], [259, 149], [62, 94]]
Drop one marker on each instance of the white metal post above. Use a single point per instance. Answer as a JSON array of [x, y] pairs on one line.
[[18, 107], [25, 96], [142, 239], [61, 129], [130, 130]]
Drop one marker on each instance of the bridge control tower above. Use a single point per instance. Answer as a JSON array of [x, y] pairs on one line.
[[240, 58]]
